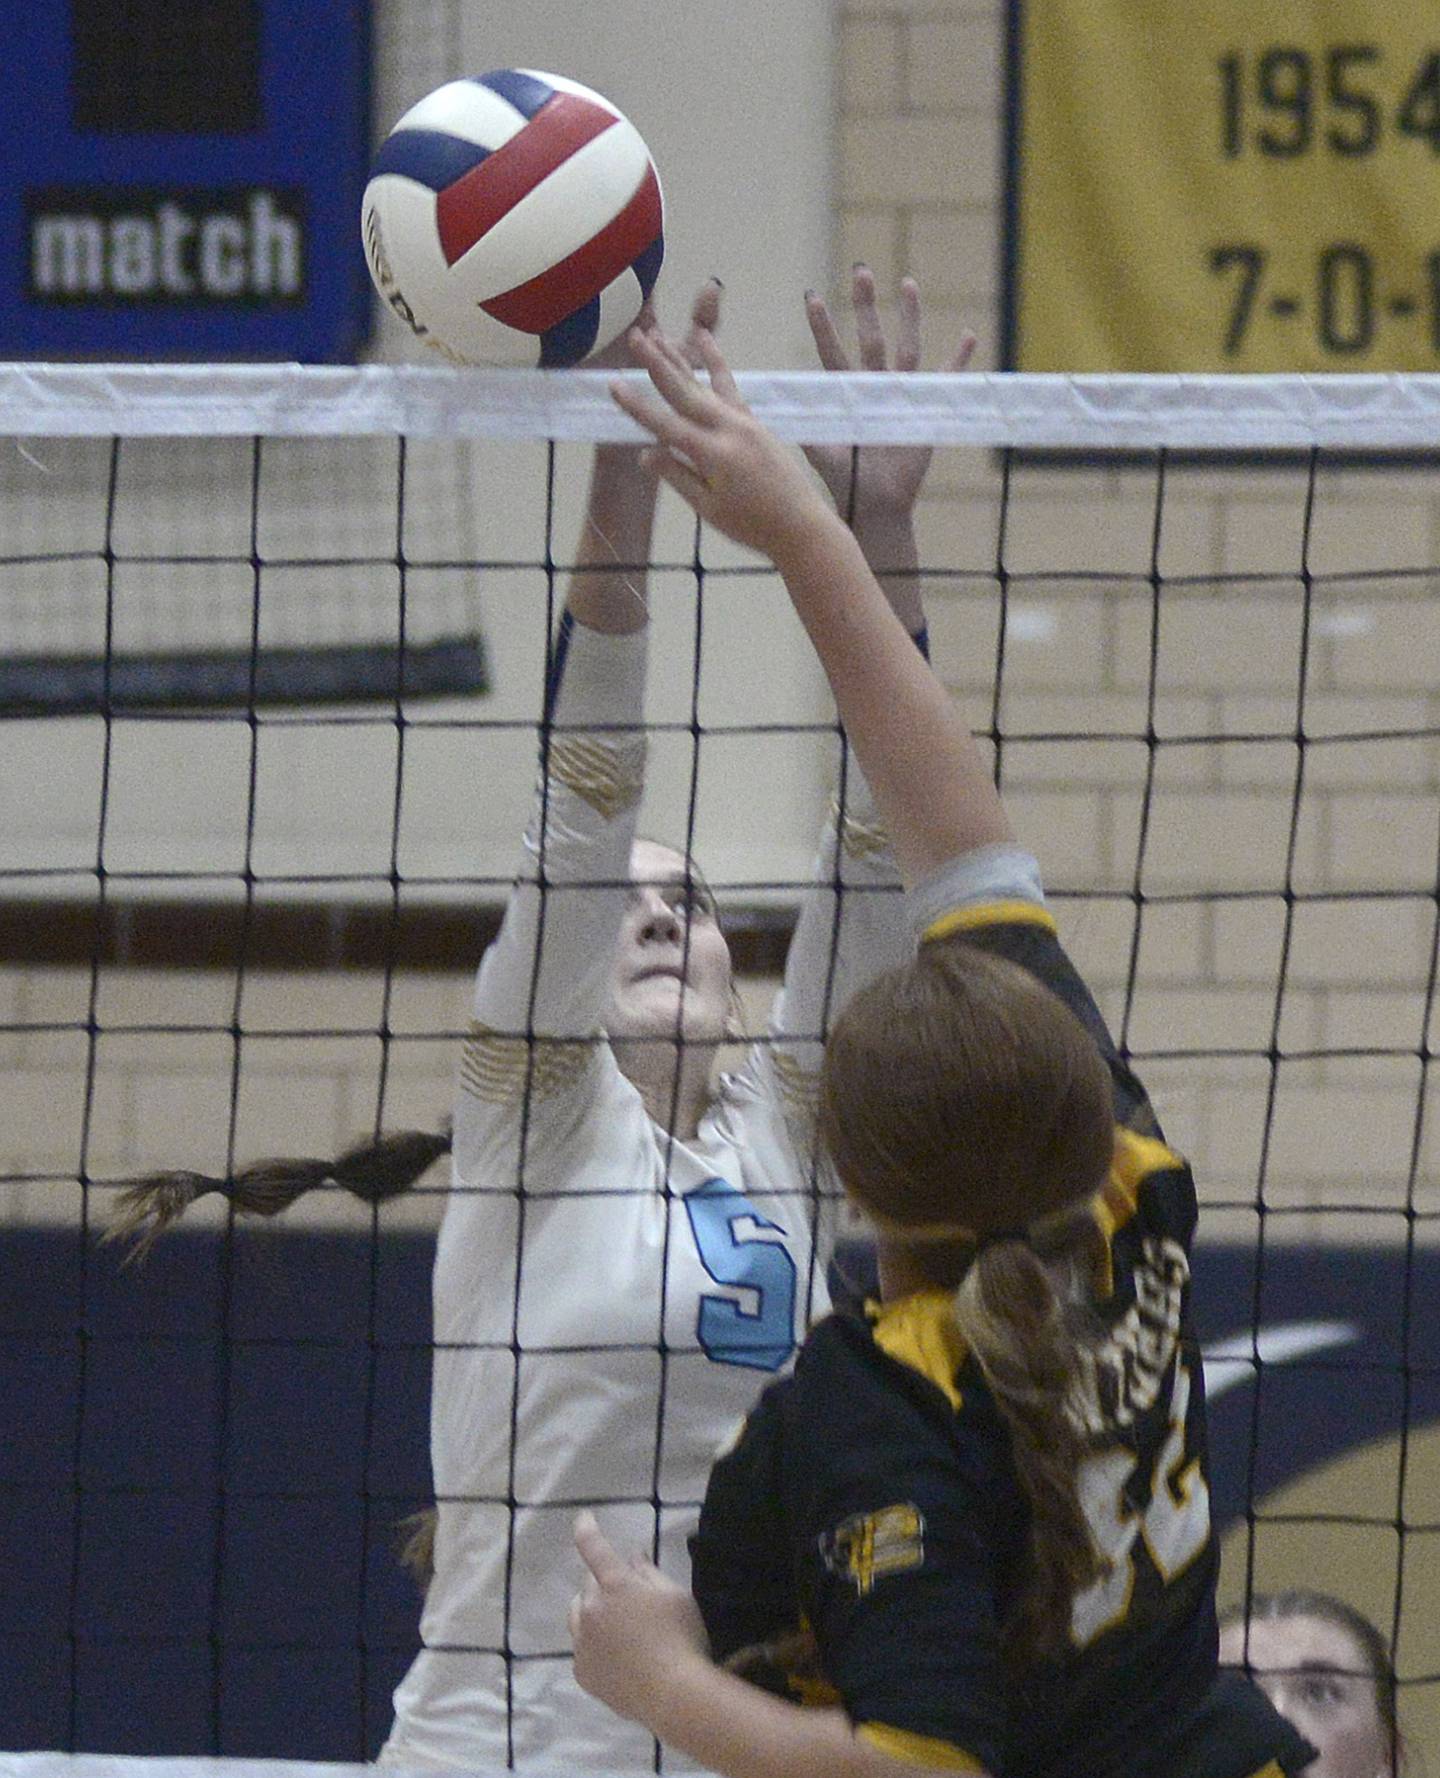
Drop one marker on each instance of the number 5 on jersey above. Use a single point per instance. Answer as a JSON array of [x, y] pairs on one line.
[[733, 1251]]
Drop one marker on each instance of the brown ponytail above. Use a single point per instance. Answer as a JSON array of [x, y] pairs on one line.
[[970, 1115], [371, 1171], [1021, 1332]]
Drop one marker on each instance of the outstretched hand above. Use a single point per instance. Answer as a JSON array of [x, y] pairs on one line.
[[889, 476], [704, 317], [715, 453], [631, 1626]]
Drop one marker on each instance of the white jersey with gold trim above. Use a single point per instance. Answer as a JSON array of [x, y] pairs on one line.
[[608, 1301]]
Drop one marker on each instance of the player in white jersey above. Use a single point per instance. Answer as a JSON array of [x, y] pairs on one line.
[[628, 1251], [658, 1262]]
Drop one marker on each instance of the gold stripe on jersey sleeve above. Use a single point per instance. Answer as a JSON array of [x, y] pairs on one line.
[[920, 1331], [1273, 1770], [609, 775], [497, 1069], [919, 1750], [859, 838], [989, 913]]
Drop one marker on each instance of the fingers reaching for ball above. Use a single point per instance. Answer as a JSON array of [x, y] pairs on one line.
[[879, 485], [713, 451], [680, 442], [704, 318], [722, 380], [870, 342], [672, 376]]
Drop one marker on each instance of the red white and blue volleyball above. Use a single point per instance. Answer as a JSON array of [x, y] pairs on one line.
[[514, 218]]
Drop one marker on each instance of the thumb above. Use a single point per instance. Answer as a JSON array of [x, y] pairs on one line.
[[596, 1550]]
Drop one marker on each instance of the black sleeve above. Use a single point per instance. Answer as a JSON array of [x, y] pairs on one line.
[[906, 1536], [740, 1572], [914, 1648]]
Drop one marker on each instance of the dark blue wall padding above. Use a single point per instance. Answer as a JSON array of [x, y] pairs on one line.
[[203, 1460]]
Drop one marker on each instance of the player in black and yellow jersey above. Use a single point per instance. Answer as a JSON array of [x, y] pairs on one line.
[[972, 1530]]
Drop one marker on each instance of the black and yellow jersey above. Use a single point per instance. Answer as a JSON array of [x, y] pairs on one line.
[[870, 1512]]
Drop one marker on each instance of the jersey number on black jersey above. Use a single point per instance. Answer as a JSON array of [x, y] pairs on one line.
[[1172, 1530]]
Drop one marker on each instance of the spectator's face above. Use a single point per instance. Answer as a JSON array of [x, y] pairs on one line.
[[1317, 1679]]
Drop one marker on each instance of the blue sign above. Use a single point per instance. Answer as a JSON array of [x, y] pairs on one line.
[[184, 180]]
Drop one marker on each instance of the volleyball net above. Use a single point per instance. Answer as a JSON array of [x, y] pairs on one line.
[[273, 651]]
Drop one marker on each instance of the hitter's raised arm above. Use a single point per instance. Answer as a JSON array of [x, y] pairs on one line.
[[931, 781]]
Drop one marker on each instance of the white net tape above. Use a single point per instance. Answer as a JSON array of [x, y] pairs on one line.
[[1040, 412]]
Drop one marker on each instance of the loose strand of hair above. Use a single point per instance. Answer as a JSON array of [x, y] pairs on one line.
[[416, 1546]]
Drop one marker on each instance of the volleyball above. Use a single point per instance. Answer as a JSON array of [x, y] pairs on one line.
[[514, 218]]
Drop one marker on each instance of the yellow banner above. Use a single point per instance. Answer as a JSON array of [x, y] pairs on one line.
[[1248, 185]]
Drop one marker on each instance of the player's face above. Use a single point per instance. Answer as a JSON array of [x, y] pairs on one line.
[[662, 975], [1315, 1677]]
